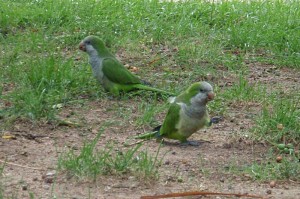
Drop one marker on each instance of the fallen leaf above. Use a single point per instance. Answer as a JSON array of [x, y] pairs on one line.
[[9, 137], [57, 106]]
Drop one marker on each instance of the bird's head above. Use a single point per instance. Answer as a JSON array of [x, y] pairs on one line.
[[91, 44], [201, 93]]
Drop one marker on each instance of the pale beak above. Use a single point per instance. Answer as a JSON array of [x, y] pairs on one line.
[[82, 46], [210, 96]]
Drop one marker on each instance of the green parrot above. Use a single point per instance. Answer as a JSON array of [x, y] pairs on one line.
[[111, 74], [186, 115]]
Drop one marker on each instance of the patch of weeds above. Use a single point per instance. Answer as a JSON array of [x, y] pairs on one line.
[[149, 111], [202, 167], [48, 82], [235, 165], [259, 24], [147, 166], [280, 120], [274, 167], [218, 106], [110, 160], [288, 168], [86, 163], [240, 92], [243, 91], [234, 61], [118, 160]]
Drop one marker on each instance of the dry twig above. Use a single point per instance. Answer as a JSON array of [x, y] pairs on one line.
[[18, 165], [200, 193]]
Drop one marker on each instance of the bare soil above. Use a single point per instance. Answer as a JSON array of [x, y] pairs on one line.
[[207, 167]]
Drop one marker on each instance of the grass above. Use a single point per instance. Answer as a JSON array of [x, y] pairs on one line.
[[287, 169], [284, 111], [110, 160], [173, 45], [274, 169], [277, 165], [244, 91], [39, 59]]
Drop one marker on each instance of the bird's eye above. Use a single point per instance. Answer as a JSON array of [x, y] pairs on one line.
[[88, 42], [201, 90]]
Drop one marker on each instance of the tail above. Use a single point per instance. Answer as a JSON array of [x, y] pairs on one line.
[[146, 83], [154, 134], [157, 128], [148, 88]]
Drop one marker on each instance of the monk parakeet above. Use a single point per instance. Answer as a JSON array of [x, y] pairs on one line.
[[186, 115], [111, 74]]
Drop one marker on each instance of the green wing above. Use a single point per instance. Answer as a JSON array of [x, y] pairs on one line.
[[117, 73], [171, 120]]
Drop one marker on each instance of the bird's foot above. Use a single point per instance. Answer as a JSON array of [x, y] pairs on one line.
[[190, 143], [159, 139], [194, 143], [113, 97], [216, 119]]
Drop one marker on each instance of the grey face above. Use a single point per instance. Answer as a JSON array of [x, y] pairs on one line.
[[86, 46], [205, 94]]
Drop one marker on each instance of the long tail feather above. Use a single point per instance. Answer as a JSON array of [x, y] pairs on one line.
[[145, 87], [144, 82], [154, 134], [157, 128]]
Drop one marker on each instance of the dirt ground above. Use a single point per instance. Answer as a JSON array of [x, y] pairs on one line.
[[184, 168]]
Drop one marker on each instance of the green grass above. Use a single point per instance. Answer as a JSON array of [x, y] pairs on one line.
[[149, 113], [270, 169], [41, 65], [244, 91], [110, 160], [285, 111], [40, 39], [288, 169]]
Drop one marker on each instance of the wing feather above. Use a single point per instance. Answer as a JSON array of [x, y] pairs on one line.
[[117, 73], [171, 120]]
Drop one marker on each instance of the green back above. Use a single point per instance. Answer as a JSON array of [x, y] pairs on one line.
[[99, 45], [186, 96], [117, 73]]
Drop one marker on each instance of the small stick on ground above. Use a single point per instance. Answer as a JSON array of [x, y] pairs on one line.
[[200, 193], [153, 61], [18, 165], [135, 143]]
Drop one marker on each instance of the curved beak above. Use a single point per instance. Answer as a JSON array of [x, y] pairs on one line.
[[210, 96], [82, 46]]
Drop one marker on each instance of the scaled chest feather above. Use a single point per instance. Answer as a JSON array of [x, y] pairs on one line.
[[96, 64], [191, 120]]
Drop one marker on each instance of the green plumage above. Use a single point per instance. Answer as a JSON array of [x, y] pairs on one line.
[[116, 72], [186, 115], [110, 73]]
